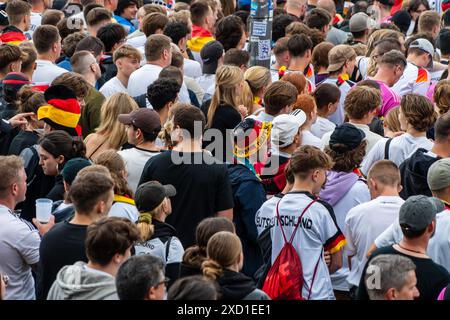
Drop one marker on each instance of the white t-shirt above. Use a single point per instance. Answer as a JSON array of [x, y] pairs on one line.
[[142, 78], [192, 68], [308, 139], [363, 65], [359, 193], [363, 224], [124, 210], [317, 232], [371, 137], [322, 126], [35, 20], [262, 116], [138, 41], [46, 71], [19, 249], [112, 86], [338, 116], [437, 247], [400, 149], [414, 80], [266, 215], [135, 160], [207, 80]]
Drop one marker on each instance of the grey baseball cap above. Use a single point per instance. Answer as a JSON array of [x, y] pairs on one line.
[[425, 45], [417, 212], [359, 22], [439, 174]]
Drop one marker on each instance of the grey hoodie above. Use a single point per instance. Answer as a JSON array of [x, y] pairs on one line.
[[77, 282]]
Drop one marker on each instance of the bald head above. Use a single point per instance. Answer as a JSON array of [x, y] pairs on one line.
[[327, 5]]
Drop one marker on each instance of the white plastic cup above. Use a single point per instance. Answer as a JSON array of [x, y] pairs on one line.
[[43, 209]]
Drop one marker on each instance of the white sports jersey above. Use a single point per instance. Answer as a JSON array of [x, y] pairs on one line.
[[265, 216], [414, 80], [317, 232], [35, 19]]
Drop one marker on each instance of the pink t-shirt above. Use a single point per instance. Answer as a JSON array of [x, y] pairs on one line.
[[389, 99], [430, 92]]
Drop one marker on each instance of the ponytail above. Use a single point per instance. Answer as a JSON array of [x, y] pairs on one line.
[[211, 269], [145, 226]]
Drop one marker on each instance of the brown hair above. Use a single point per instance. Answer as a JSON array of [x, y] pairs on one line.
[[107, 237], [70, 43], [70, 25], [326, 93], [186, 118], [297, 27], [428, 20], [126, 51], [10, 167], [441, 96], [89, 189], [297, 79], [391, 120], [152, 8], [16, 10], [281, 46], [199, 10], [308, 158], [257, 78], [361, 100], [52, 17], [349, 160], [306, 103], [155, 46], [73, 81], [224, 249], [385, 172], [29, 56], [30, 100], [168, 127], [98, 15], [195, 255], [279, 95], [153, 22], [44, 37], [8, 54], [320, 55], [116, 166], [418, 111]]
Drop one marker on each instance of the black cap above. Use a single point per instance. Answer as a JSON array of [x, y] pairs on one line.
[[348, 135], [402, 19], [210, 54], [151, 194], [72, 167]]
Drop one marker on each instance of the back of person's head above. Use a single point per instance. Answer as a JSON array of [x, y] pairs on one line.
[[395, 273], [377, 35], [191, 120], [297, 27], [70, 25], [177, 61], [320, 55], [299, 44], [317, 18], [156, 46], [297, 79], [391, 120], [29, 56], [229, 32], [10, 170], [150, 8], [257, 78], [385, 172], [30, 100], [17, 10], [325, 94], [9, 54], [280, 22], [90, 190], [60, 143], [418, 111], [442, 129], [308, 158], [441, 96], [45, 37], [162, 91], [111, 34], [446, 18], [154, 22], [183, 16], [92, 44], [74, 82], [98, 16], [138, 276], [236, 57], [278, 96], [444, 41], [224, 249], [360, 101], [193, 288], [428, 21], [176, 31], [109, 237], [306, 103], [70, 43], [82, 61], [199, 10], [52, 17], [280, 46], [173, 71], [392, 59]]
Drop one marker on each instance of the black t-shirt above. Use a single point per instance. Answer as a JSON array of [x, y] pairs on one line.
[[62, 245], [431, 277], [23, 140], [202, 189]]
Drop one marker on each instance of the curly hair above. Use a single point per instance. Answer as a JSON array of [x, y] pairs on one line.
[[418, 111], [441, 96], [361, 100], [346, 160]]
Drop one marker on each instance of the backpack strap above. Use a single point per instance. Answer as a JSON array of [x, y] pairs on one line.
[[168, 248], [314, 275], [386, 148]]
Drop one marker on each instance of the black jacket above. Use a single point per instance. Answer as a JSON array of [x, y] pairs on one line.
[[237, 286]]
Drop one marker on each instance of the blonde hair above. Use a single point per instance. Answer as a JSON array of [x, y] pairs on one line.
[[165, 133], [372, 43], [113, 130], [145, 225], [224, 249], [391, 120], [227, 79], [247, 97], [116, 166], [441, 96], [257, 78]]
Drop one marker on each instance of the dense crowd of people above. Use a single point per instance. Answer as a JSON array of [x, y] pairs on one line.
[[144, 157]]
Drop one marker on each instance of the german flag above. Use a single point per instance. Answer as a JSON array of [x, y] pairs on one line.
[[200, 37], [422, 75], [12, 35], [335, 243]]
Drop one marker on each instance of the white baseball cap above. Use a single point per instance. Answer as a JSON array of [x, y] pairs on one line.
[[285, 127]]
